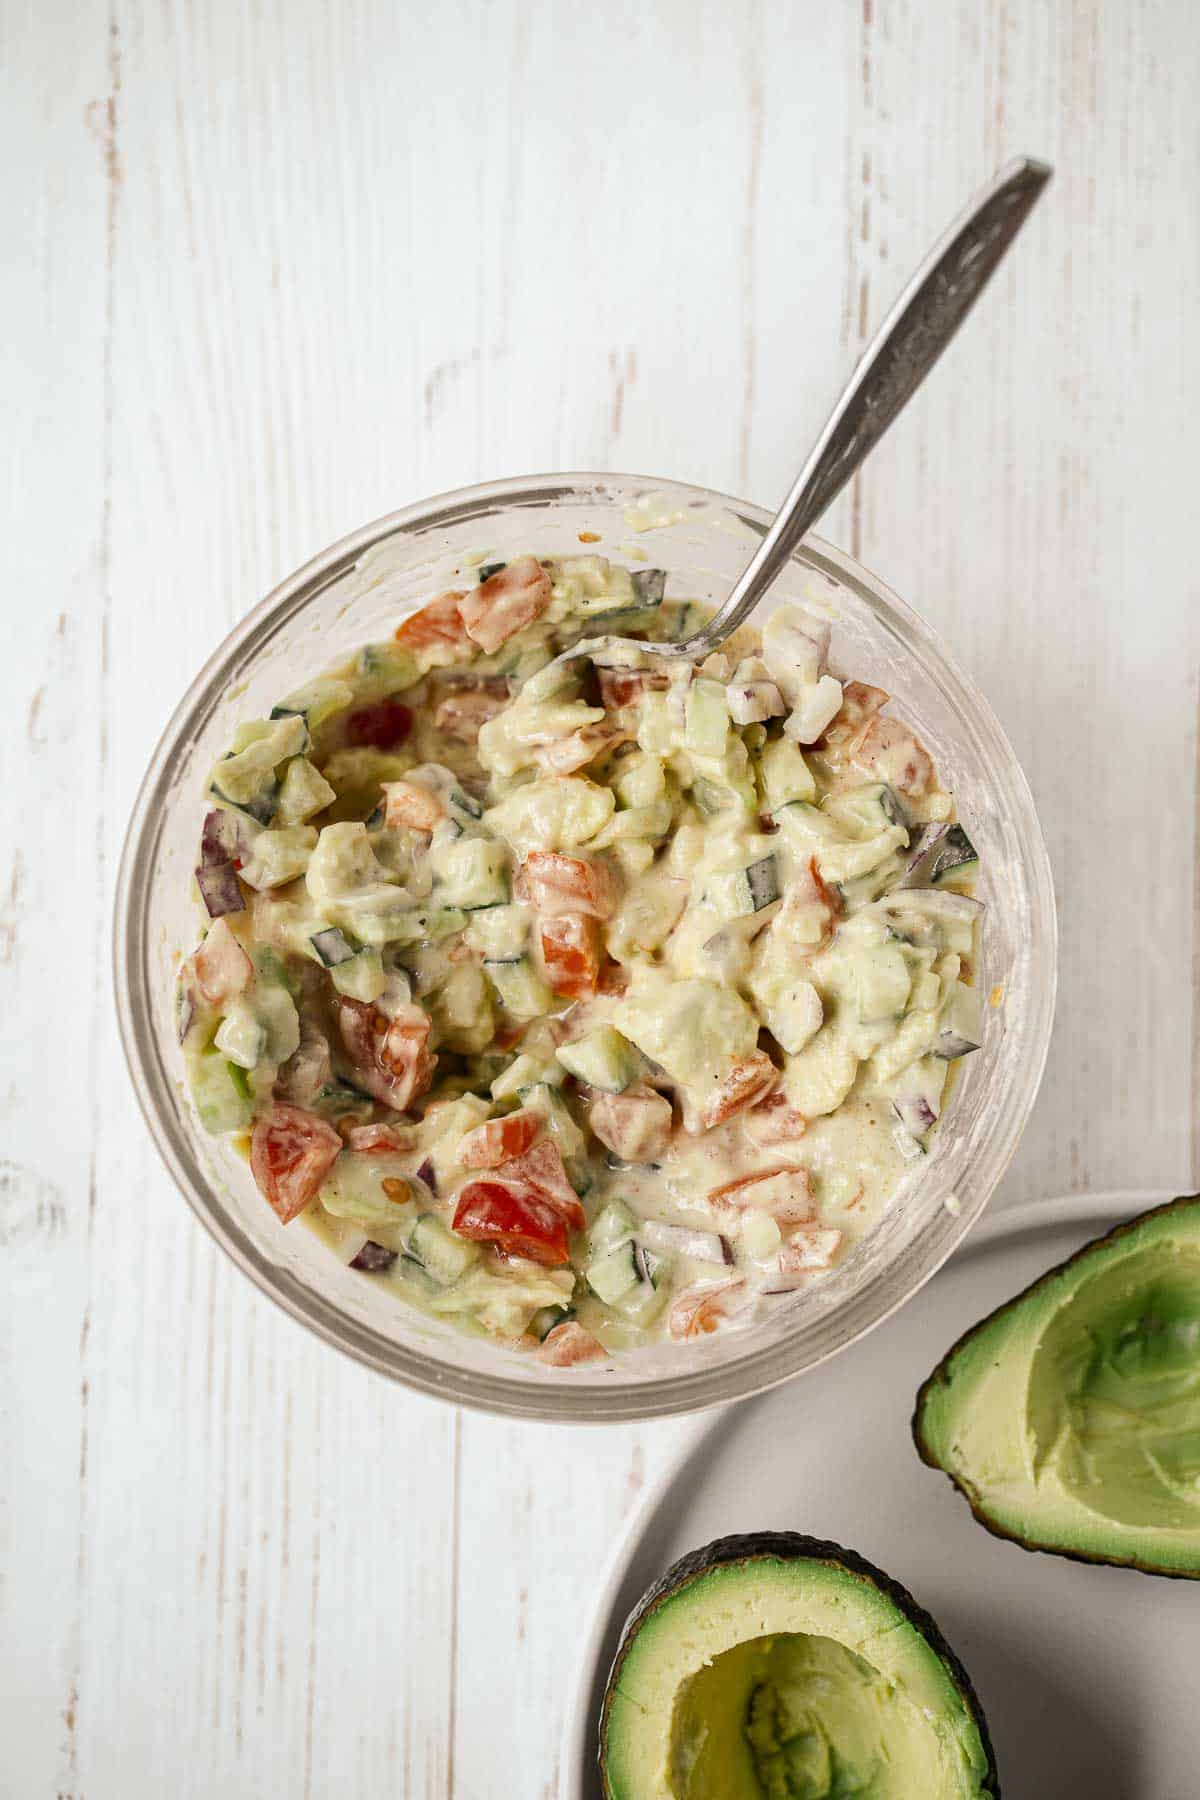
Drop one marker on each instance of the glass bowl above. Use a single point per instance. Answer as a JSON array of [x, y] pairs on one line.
[[356, 591]]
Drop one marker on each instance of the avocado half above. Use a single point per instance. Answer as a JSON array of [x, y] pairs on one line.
[[781, 1666], [1070, 1418]]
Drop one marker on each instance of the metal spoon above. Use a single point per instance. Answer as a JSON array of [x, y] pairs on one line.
[[901, 354]]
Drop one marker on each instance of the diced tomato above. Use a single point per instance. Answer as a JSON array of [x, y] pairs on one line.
[[571, 955], [378, 1140], [702, 1307], [808, 917], [859, 703], [291, 1152], [519, 1221], [567, 754], [624, 687], [496, 1140], [888, 749], [220, 967], [407, 803], [390, 1055], [380, 726], [813, 1248], [553, 883], [745, 1083], [436, 628], [541, 1168], [773, 1121], [785, 1193], [465, 709], [634, 1125], [505, 603], [569, 1344]]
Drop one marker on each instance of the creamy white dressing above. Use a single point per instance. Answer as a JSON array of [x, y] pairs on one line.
[[731, 897]]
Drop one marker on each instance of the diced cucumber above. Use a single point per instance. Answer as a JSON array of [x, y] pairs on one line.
[[736, 892], [259, 806], [641, 1302], [525, 1071], [339, 1100], [387, 668], [362, 978], [706, 716], [956, 860], [869, 809], [794, 1015], [462, 1010], [636, 822], [245, 778], [540, 1097], [498, 933], [611, 1227], [603, 1059], [443, 1255], [546, 1318], [960, 1024], [220, 1090], [279, 856], [805, 824], [269, 966], [639, 780], [784, 775], [240, 1036], [412, 927], [613, 1275], [354, 1190], [472, 873], [316, 702], [521, 990], [303, 792], [649, 585], [881, 983], [485, 571], [333, 946]]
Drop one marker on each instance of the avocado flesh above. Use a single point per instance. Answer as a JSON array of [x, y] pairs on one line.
[[1070, 1418], [791, 1676], [792, 1715]]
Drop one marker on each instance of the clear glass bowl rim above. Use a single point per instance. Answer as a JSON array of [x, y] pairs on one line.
[[726, 1380]]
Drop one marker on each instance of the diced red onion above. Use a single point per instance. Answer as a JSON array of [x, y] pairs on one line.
[[374, 1258], [705, 1246], [220, 840], [220, 889], [921, 849], [426, 1174]]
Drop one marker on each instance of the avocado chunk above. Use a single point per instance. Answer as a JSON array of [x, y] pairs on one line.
[[1070, 1418], [781, 1666]]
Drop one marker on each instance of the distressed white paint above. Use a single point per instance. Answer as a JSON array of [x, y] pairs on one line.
[[273, 270]]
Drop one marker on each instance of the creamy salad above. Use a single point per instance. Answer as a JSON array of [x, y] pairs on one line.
[[587, 1004]]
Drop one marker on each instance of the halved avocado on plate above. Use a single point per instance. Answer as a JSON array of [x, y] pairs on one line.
[[783, 1667], [1070, 1417]]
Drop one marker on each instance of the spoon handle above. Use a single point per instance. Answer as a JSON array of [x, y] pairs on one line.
[[901, 354]]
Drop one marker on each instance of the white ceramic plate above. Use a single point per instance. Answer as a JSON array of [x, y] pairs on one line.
[[1090, 1677]]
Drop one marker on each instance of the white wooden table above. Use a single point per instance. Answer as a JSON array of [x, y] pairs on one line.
[[273, 270]]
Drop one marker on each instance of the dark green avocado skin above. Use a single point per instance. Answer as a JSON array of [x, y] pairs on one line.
[[1188, 1204], [748, 1547]]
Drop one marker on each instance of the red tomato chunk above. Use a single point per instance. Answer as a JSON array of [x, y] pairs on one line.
[[505, 603], [520, 1222], [542, 1169], [495, 1141], [291, 1152], [571, 955], [556, 884]]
